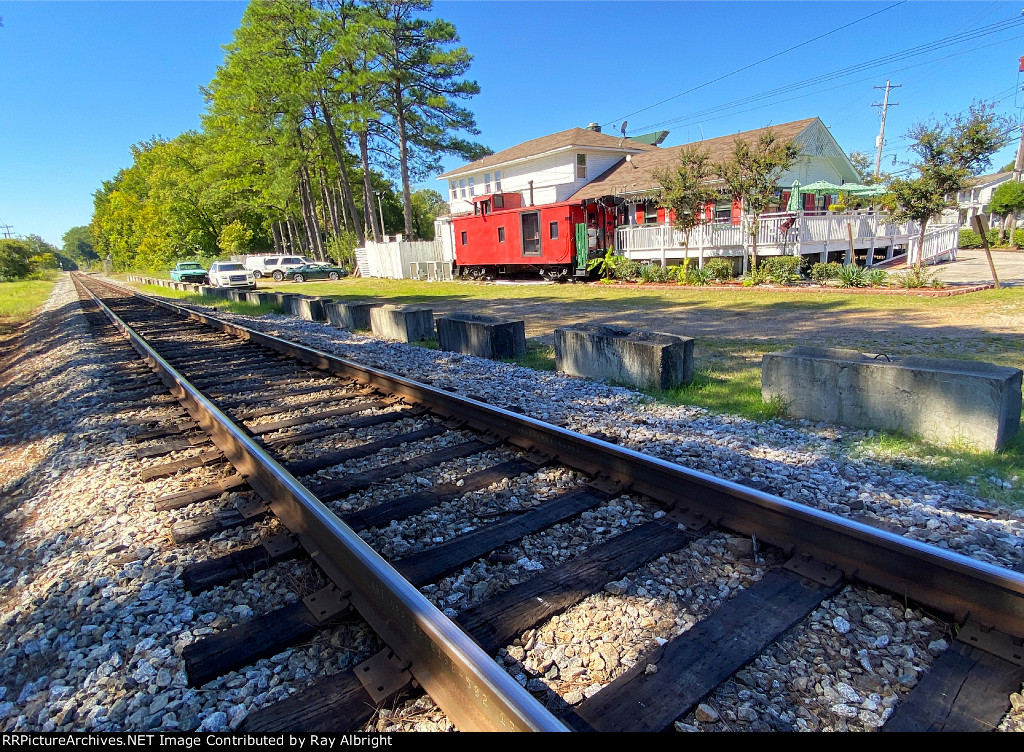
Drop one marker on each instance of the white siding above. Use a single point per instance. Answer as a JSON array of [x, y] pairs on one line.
[[553, 175]]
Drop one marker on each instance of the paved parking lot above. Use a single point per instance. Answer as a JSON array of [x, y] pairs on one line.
[[971, 266]]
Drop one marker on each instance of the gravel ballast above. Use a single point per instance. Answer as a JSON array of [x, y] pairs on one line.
[[93, 613]]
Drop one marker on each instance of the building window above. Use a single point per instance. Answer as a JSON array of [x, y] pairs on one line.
[[501, 234], [581, 166], [553, 230], [487, 183], [464, 237], [462, 187], [650, 214], [453, 189], [499, 201], [497, 181], [472, 192]]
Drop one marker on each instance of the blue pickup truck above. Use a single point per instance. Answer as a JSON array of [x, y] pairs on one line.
[[189, 271]]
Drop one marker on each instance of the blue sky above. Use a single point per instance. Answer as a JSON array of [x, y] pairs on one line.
[[82, 81]]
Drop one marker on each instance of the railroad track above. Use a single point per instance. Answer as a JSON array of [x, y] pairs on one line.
[[339, 455]]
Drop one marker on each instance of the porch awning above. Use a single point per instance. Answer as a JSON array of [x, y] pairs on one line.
[[856, 189]]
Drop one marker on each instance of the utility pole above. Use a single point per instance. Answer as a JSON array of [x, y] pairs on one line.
[[885, 105], [1018, 166], [7, 231]]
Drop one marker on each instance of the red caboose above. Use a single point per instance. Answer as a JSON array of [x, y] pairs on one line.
[[555, 240]]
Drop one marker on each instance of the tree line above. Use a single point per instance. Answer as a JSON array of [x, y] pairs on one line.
[[317, 102]]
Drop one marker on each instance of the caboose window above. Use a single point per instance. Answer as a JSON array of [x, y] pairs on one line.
[[499, 202], [553, 230], [501, 234], [464, 237]]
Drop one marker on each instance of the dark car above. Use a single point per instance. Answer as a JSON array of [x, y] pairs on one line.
[[314, 271], [189, 271]]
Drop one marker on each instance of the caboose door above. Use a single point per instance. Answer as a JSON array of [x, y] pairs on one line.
[[531, 233]]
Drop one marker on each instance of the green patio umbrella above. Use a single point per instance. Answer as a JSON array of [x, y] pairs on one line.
[[795, 204], [865, 191], [822, 188]]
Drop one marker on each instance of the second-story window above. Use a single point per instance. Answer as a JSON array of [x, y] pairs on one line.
[[487, 183], [581, 165], [453, 189], [472, 192], [462, 187], [497, 181]]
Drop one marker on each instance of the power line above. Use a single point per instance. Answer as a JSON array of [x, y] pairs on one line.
[[844, 72], [763, 60]]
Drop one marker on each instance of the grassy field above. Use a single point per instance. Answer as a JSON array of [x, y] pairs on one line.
[[980, 326], [19, 299]]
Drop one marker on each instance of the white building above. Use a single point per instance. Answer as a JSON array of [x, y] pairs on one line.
[[545, 170], [975, 200]]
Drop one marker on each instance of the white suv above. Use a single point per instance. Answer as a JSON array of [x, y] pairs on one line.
[[274, 266], [231, 274]]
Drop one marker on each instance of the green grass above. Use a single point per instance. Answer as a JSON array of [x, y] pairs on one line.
[[985, 473], [539, 357], [19, 299], [244, 309], [728, 381]]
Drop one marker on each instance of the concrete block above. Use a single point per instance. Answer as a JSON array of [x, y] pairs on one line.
[[404, 323], [261, 298], [310, 308], [354, 315], [648, 360], [940, 400], [483, 336]]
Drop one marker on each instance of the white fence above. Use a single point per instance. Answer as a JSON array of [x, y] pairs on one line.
[[785, 234], [421, 259]]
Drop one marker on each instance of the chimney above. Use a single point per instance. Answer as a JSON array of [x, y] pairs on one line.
[[594, 127]]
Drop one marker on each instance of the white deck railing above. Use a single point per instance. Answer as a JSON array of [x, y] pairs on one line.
[[809, 234]]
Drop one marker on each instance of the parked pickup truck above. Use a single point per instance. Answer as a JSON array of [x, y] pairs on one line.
[[189, 271]]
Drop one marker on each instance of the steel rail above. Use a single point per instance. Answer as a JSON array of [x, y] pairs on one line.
[[991, 596], [466, 683]]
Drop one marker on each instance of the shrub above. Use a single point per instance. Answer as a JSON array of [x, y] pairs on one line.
[[653, 272], [781, 270], [719, 268], [915, 278], [628, 270], [971, 239], [876, 277], [822, 273], [700, 277], [852, 275]]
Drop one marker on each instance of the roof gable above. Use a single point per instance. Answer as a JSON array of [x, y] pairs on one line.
[[639, 175], [573, 137]]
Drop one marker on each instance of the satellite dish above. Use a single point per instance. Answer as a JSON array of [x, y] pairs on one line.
[[622, 130]]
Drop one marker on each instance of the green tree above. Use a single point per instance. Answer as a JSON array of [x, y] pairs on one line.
[[1008, 200], [424, 66], [687, 190], [752, 172], [427, 204], [79, 245], [14, 259], [234, 238], [948, 154]]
